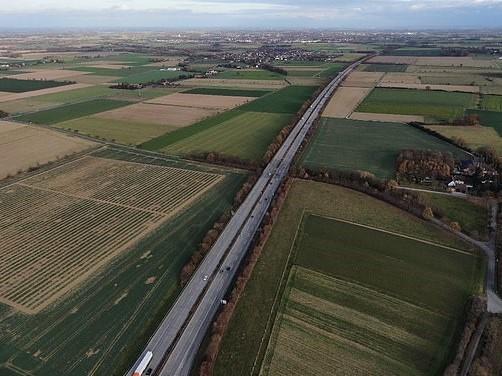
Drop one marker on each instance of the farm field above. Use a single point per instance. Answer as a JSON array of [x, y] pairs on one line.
[[288, 100], [121, 131], [234, 83], [364, 303], [48, 98], [345, 100], [10, 99], [20, 86], [384, 67], [473, 136], [430, 104], [255, 74], [227, 92], [270, 273], [491, 103], [363, 79], [150, 76], [343, 144], [246, 136], [116, 308], [72, 111], [23, 147], [386, 118], [491, 119], [449, 88], [211, 102], [402, 78], [406, 60], [472, 217], [49, 74], [175, 116]]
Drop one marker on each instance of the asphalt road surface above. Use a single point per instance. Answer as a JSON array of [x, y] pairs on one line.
[[177, 339]]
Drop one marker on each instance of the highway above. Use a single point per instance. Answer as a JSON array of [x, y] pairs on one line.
[[177, 339]]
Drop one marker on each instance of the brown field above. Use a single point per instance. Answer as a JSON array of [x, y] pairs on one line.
[[93, 210], [22, 147], [448, 61], [48, 74], [391, 118], [345, 101], [211, 102], [363, 79], [410, 60], [158, 114], [403, 78], [234, 83], [36, 93], [462, 88]]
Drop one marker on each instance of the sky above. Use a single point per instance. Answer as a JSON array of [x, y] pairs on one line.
[[258, 14]]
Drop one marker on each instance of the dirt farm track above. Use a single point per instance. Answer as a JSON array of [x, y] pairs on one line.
[[94, 209]]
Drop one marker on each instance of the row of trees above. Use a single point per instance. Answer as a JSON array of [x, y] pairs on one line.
[[274, 69], [420, 164]]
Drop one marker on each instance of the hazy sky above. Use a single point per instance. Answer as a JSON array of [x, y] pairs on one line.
[[359, 14]]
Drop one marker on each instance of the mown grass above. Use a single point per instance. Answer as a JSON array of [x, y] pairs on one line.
[[246, 136], [227, 92], [473, 218], [367, 146], [99, 319], [241, 344], [12, 85], [258, 74], [437, 105], [288, 100], [72, 111]]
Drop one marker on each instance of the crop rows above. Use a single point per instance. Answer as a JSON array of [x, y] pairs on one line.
[[93, 209], [146, 187]]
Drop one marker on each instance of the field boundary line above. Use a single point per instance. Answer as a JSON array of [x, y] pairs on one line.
[[396, 234], [274, 304]]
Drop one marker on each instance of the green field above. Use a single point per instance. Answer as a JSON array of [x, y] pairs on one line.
[[72, 111], [12, 85], [258, 74], [384, 67], [416, 51], [473, 136], [227, 92], [124, 132], [241, 344], [473, 218], [246, 136], [355, 300], [343, 144], [489, 118], [438, 105], [102, 327], [491, 102], [287, 101], [332, 71], [122, 72], [151, 76]]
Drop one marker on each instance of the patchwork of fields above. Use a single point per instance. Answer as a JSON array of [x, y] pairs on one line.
[[343, 144], [355, 300], [86, 301], [345, 293]]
